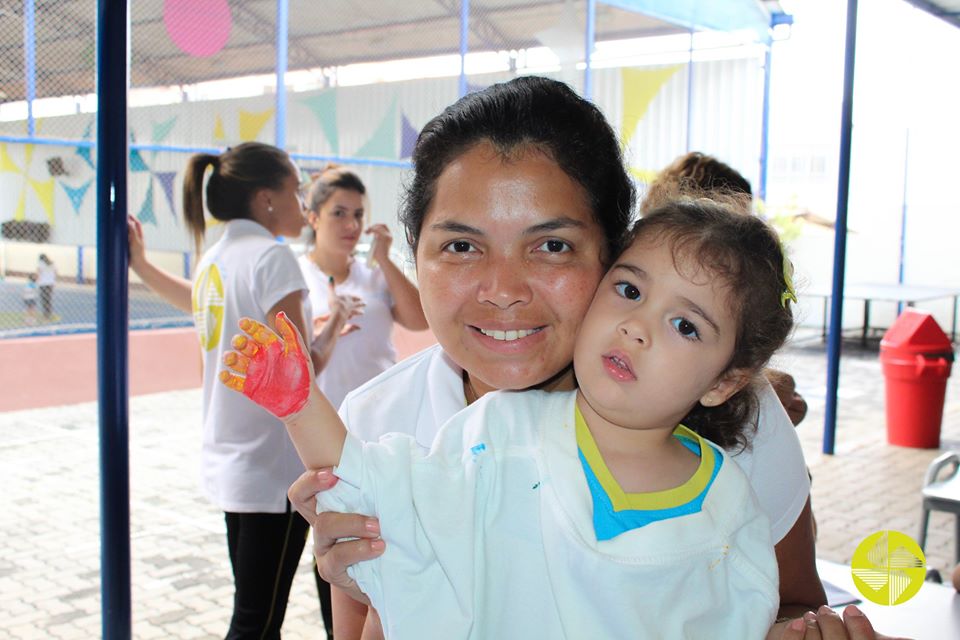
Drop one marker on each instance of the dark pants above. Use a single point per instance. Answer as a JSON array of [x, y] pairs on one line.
[[46, 300], [265, 549]]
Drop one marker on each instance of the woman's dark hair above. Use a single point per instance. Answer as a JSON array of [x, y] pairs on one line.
[[527, 111], [325, 182], [745, 254], [694, 173], [237, 174]]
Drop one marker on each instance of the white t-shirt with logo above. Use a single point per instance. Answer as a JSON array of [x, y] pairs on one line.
[[363, 354], [248, 461]]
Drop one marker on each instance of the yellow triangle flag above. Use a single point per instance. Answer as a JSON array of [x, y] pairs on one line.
[[640, 87], [218, 133], [44, 191], [252, 123], [6, 162], [21, 211]]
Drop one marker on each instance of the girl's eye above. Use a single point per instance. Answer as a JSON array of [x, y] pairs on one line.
[[685, 328], [337, 213], [554, 246], [627, 290], [459, 246]]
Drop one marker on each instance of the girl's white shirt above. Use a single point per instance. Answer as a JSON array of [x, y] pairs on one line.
[[418, 395], [248, 461], [46, 274], [363, 354]]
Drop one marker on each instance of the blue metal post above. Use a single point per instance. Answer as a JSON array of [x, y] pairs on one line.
[[80, 264], [765, 126], [840, 234], [280, 117], [903, 214], [690, 90], [186, 265], [591, 39], [30, 61], [112, 259], [464, 44]]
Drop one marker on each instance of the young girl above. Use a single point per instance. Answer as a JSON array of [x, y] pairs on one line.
[[603, 512]]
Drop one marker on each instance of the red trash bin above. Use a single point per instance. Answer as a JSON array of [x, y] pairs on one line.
[[916, 356]]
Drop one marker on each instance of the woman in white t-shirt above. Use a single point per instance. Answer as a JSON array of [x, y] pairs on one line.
[[247, 459], [518, 199], [335, 202], [46, 279]]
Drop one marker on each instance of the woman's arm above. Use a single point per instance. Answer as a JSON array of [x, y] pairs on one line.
[[406, 298], [175, 290]]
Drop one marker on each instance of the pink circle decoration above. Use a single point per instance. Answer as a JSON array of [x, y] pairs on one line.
[[199, 28]]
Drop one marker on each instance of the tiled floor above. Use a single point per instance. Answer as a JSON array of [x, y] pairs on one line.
[[49, 571]]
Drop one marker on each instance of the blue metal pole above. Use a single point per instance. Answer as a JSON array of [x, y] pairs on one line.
[[690, 90], [80, 264], [112, 259], [591, 39], [186, 265], [765, 126], [280, 117], [840, 234], [30, 61], [903, 214], [464, 44]]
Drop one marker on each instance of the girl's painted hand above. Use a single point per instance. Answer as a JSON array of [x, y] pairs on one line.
[[273, 371]]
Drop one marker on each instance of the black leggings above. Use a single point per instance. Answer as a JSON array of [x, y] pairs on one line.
[[265, 549], [46, 300]]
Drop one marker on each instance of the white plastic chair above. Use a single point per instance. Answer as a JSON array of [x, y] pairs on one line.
[[942, 494]]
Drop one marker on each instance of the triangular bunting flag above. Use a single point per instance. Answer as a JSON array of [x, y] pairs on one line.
[[162, 129], [640, 86], [146, 215], [218, 133], [137, 165], [383, 142], [21, 211], [85, 153], [44, 191], [166, 182], [324, 109], [408, 137], [6, 162], [77, 194], [251, 124]]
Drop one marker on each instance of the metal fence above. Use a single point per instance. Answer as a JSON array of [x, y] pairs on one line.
[[346, 81]]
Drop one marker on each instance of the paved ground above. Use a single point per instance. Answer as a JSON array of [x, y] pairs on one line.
[[49, 571]]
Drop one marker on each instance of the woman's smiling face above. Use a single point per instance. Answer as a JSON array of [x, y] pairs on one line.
[[508, 260]]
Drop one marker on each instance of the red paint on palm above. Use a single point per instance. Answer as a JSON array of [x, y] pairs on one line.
[[278, 376]]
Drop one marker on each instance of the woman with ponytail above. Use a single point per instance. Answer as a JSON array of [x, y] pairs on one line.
[[248, 462]]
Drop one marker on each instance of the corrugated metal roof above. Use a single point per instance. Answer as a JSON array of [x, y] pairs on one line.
[[321, 34]]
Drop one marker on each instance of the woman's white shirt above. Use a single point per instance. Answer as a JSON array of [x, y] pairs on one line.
[[418, 395], [361, 355], [248, 461], [46, 274]]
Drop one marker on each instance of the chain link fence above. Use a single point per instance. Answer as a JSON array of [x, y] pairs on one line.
[[360, 78]]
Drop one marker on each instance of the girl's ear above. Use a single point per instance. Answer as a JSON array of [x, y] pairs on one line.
[[725, 386]]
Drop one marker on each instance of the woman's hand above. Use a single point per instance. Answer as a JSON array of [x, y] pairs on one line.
[[382, 239], [334, 557], [138, 249], [826, 624]]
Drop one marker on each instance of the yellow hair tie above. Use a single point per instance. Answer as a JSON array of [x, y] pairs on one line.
[[789, 293]]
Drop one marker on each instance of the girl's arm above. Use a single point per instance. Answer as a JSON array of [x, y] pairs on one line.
[[175, 290], [407, 310], [275, 372]]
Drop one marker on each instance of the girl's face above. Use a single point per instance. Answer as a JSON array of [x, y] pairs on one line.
[[508, 260], [339, 222], [656, 341], [286, 219]]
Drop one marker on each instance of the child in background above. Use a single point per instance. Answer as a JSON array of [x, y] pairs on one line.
[[601, 512], [29, 296]]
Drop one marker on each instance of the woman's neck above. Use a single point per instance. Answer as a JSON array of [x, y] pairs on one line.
[[332, 264], [474, 388]]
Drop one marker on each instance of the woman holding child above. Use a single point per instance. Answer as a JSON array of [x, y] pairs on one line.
[[518, 203]]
